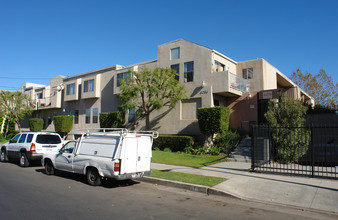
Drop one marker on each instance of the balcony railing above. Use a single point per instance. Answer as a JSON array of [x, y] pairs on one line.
[[239, 83]]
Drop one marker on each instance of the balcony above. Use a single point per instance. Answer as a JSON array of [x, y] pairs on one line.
[[228, 84]]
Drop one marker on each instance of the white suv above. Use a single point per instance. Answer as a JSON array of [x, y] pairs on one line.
[[30, 146]]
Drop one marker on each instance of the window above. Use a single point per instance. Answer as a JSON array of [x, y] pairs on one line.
[[87, 115], [248, 73], [48, 139], [132, 115], [69, 147], [88, 85], [22, 138], [39, 95], [15, 138], [29, 138], [176, 67], [95, 115], [219, 67], [24, 89], [175, 53], [75, 114], [121, 76], [216, 102], [70, 90], [189, 71]]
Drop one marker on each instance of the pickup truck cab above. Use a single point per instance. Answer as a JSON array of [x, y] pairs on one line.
[[29, 146], [109, 153]]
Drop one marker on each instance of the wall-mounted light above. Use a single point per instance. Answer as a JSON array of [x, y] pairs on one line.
[[203, 83]]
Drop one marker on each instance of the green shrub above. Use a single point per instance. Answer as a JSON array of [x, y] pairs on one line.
[[167, 149], [156, 149], [213, 120], [214, 150], [174, 142], [63, 124], [188, 150], [35, 124], [200, 150], [111, 119], [227, 141]]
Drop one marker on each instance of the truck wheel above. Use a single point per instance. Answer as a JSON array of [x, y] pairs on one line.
[[49, 168], [93, 177], [23, 160], [3, 156]]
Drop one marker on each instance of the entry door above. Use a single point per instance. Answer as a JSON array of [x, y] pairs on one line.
[[64, 160]]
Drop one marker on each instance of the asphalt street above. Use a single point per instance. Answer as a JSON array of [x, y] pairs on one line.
[[30, 194]]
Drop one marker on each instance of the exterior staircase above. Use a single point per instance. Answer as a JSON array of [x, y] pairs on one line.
[[242, 153]]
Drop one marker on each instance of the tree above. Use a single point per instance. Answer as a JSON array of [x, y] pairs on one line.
[[14, 106], [150, 90], [319, 86], [287, 119]]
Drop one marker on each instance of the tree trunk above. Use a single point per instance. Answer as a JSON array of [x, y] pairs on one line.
[[3, 124], [147, 122]]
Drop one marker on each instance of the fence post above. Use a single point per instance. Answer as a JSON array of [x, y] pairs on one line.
[[252, 149], [312, 152]]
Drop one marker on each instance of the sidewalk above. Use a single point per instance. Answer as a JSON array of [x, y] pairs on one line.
[[303, 192]]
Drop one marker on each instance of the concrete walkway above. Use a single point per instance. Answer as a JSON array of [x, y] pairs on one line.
[[303, 192]]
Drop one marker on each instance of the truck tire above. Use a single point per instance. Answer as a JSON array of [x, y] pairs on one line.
[[93, 177], [49, 168], [3, 156], [23, 160]]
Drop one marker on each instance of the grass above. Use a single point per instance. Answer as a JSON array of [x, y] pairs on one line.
[[187, 178], [181, 159]]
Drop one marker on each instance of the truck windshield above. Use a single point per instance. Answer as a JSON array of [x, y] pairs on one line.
[[48, 139]]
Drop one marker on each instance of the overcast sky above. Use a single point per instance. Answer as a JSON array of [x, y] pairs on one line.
[[40, 39]]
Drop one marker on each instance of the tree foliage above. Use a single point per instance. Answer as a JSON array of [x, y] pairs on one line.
[[320, 86], [14, 106], [150, 90], [287, 119]]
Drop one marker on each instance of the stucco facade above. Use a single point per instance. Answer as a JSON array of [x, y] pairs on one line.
[[210, 78]]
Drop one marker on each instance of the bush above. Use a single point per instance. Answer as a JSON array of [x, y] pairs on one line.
[[174, 142], [199, 150], [227, 141], [63, 124], [111, 120], [35, 124], [167, 149], [213, 120], [214, 150]]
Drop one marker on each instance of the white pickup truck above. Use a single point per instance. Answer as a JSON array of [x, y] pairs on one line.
[[108, 153]]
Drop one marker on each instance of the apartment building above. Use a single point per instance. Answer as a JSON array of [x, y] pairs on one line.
[[211, 79]]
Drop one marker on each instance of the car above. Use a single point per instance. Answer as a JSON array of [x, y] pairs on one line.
[[30, 146], [106, 154]]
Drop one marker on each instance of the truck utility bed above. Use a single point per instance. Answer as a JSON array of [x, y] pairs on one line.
[[109, 153]]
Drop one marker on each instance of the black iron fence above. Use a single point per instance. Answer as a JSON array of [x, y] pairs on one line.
[[310, 151]]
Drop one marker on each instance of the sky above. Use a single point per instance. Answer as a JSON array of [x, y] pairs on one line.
[[40, 39]]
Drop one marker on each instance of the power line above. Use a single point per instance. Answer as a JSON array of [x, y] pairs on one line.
[[5, 77]]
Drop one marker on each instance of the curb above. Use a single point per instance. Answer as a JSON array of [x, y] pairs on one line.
[[192, 187]]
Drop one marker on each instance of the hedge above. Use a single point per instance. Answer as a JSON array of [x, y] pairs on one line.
[[35, 124], [111, 120], [63, 124], [174, 142], [213, 120]]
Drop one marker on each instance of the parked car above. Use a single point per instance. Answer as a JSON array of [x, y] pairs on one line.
[[29, 146], [110, 153]]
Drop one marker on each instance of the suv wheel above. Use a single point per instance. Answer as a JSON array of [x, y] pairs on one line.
[[23, 160], [3, 156], [49, 169], [93, 177]]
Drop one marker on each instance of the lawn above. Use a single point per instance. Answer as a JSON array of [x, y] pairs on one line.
[[187, 178], [182, 159]]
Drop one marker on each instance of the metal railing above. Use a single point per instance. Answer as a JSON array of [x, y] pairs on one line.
[[309, 151]]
